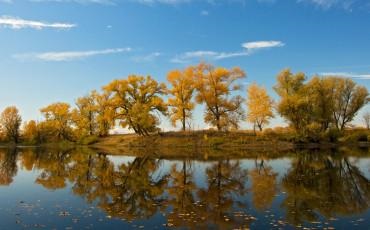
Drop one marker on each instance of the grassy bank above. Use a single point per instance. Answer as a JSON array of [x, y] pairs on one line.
[[200, 139]]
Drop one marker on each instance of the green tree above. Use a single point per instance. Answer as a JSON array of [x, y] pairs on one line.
[[294, 104]]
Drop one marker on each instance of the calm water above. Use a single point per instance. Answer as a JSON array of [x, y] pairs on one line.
[[85, 189]]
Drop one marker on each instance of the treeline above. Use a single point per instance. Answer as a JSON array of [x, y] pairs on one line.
[[311, 107]]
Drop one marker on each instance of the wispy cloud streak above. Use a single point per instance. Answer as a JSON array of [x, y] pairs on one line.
[[347, 75], [249, 48], [68, 55], [18, 23]]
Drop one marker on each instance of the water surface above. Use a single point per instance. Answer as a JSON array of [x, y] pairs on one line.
[[89, 189]]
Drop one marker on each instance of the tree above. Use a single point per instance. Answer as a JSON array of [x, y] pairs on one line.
[[135, 100], [105, 114], [11, 121], [58, 120], [294, 104], [31, 132], [366, 119], [84, 116], [215, 86], [182, 93], [259, 106], [321, 92], [348, 100]]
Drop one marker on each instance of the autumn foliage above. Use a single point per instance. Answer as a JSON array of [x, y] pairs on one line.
[[140, 103]]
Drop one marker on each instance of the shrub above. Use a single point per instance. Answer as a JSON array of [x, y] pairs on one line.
[[332, 135], [356, 136]]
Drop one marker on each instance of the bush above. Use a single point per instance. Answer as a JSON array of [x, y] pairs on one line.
[[356, 136], [332, 135]]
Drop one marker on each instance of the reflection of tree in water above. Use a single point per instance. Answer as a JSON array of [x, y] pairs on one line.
[[263, 185], [326, 185], [8, 165], [137, 190], [92, 176], [55, 165], [181, 196], [225, 183], [316, 184]]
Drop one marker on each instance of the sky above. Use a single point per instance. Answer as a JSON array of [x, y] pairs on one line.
[[59, 50]]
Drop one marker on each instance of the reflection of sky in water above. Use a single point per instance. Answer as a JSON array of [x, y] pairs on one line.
[[24, 202]]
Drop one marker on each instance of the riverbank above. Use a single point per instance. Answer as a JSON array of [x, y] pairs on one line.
[[192, 142]]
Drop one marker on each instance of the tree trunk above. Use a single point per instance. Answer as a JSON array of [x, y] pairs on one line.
[[183, 120]]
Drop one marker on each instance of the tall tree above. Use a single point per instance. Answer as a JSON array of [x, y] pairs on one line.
[[135, 101], [182, 93], [348, 100], [11, 121], [58, 120], [259, 106], [31, 132], [105, 114], [84, 115], [322, 93], [294, 104], [215, 86]]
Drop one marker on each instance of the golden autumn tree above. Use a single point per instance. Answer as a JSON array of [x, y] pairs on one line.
[[105, 114], [182, 91], [349, 98], [84, 116], [58, 120], [31, 131], [259, 106], [215, 86], [136, 101], [11, 121]]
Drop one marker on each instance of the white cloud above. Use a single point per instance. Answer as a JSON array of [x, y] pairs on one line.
[[69, 55], [147, 58], [249, 48], [347, 75], [167, 2], [262, 45], [18, 23], [105, 2], [204, 13], [326, 4]]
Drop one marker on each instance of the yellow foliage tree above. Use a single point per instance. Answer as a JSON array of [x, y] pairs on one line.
[[105, 114], [215, 86], [259, 106], [182, 93], [135, 101], [58, 119], [31, 131], [84, 116], [10, 121]]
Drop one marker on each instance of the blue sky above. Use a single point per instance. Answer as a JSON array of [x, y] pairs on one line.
[[58, 50]]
